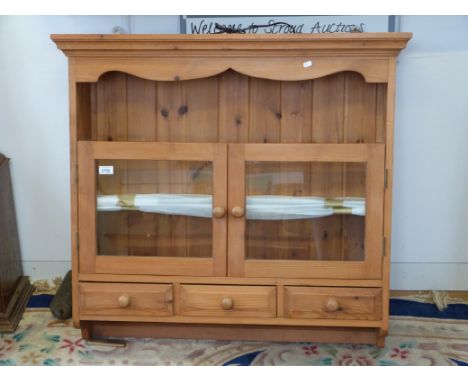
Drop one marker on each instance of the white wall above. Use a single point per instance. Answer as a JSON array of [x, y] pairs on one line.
[[430, 216], [429, 250], [34, 128]]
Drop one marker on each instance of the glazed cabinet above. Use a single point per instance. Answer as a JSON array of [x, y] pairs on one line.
[[228, 186]]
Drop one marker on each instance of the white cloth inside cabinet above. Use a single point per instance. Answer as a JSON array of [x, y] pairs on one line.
[[258, 207]]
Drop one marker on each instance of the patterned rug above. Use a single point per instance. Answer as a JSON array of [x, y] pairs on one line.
[[419, 335]]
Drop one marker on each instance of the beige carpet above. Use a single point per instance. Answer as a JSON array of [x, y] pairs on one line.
[[42, 340]]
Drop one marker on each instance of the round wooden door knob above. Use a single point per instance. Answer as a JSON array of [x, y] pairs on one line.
[[332, 304], [124, 300], [227, 303], [219, 212], [237, 212]]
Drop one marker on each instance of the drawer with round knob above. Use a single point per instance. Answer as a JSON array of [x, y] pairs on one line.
[[331, 302], [227, 301], [114, 300]]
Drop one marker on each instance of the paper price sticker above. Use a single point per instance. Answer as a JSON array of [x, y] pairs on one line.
[[106, 170]]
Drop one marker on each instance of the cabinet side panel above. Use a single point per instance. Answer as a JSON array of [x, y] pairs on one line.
[[390, 107], [84, 111], [112, 125], [264, 127], [74, 186], [381, 113], [327, 178]]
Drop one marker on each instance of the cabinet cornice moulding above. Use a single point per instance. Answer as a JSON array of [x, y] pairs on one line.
[[387, 44], [275, 57]]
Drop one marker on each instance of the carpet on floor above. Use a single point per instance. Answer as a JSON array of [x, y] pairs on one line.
[[419, 334]]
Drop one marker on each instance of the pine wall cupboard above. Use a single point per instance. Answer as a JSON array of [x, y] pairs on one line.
[[232, 186]]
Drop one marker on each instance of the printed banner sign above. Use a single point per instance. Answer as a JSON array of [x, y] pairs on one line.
[[286, 24]]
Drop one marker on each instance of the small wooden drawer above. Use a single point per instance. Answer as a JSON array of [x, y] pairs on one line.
[[227, 301], [120, 299], [338, 303]]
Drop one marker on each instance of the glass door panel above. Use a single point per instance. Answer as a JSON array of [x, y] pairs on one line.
[[305, 211], [154, 208]]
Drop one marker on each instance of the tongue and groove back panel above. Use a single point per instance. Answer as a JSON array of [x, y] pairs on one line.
[[232, 108]]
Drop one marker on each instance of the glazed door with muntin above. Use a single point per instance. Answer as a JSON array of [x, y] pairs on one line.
[[305, 210], [152, 208]]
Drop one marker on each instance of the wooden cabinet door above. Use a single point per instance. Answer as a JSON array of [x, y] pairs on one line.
[[305, 210], [152, 208]]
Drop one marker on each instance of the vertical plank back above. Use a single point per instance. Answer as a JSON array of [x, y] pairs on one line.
[[202, 126], [327, 178], [264, 127], [172, 123], [112, 125], [233, 107], [142, 175], [296, 127]]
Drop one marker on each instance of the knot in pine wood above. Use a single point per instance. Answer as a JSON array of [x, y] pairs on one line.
[[183, 109]]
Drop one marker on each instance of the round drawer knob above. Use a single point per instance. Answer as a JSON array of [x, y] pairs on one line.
[[227, 303], [124, 300], [332, 304], [237, 212], [219, 212]]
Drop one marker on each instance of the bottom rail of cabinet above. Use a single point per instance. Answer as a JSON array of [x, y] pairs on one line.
[[104, 329]]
